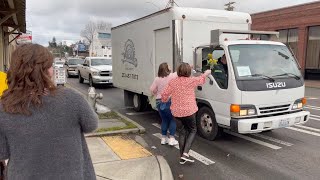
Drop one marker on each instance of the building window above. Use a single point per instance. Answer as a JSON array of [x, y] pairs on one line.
[[104, 35], [313, 48], [290, 38]]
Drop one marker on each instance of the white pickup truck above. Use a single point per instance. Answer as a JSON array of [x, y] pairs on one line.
[[97, 70]]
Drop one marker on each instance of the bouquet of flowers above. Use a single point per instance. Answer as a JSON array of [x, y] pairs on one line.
[[211, 61]]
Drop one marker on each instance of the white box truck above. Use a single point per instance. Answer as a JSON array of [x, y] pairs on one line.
[[260, 88]]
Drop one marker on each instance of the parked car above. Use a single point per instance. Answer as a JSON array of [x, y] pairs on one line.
[[71, 66], [97, 70], [58, 64]]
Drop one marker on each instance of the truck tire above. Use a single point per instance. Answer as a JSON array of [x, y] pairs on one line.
[[207, 124], [91, 84], [80, 78], [139, 102]]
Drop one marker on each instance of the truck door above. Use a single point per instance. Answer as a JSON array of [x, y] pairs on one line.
[[163, 50], [217, 92]]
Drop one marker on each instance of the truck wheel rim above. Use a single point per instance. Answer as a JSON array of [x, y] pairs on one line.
[[135, 101], [206, 123]]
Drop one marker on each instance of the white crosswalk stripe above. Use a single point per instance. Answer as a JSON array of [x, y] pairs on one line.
[[193, 154], [272, 139], [309, 128], [253, 140], [304, 131], [313, 107]]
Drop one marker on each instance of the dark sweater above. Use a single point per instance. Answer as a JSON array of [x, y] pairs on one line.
[[50, 143]]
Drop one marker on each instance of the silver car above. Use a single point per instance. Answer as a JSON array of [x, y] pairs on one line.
[[71, 65]]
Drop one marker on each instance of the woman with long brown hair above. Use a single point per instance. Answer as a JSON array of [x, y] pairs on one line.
[[167, 123], [41, 126]]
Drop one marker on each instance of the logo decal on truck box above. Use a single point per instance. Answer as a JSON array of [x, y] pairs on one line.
[[129, 53]]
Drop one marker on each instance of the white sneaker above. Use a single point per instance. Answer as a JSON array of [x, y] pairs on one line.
[[164, 141], [173, 141]]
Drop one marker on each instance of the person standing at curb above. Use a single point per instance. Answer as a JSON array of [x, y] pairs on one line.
[[184, 106], [168, 122], [3, 86], [42, 127]]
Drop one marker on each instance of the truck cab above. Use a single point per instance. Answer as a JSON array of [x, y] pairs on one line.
[[256, 86]]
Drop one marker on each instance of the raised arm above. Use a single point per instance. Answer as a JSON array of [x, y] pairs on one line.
[[166, 93], [196, 81]]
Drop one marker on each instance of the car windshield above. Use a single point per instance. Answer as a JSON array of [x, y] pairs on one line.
[[59, 62], [75, 61], [263, 61], [99, 62]]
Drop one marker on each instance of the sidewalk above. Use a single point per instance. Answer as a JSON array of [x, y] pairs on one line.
[[312, 83], [120, 157]]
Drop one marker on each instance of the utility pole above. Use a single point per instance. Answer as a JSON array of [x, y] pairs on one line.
[[171, 3], [229, 6]]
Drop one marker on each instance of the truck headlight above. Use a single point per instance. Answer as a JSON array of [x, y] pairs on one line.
[[95, 73], [242, 110], [299, 104]]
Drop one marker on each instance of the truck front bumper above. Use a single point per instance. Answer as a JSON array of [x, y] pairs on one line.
[[256, 125], [102, 79]]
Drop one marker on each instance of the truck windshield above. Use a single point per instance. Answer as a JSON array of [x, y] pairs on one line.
[[99, 62], [261, 61]]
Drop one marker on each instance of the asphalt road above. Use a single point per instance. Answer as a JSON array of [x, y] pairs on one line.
[[288, 153]]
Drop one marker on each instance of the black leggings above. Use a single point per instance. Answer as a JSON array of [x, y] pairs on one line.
[[187, 133]]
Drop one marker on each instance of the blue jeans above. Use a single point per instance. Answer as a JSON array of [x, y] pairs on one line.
[[168, 121]]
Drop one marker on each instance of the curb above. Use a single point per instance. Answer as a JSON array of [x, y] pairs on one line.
[[109, 133], [310, 86], [141, 128], [165, 169]]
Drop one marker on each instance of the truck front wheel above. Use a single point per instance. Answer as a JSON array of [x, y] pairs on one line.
[[207, 124], [139, 102]]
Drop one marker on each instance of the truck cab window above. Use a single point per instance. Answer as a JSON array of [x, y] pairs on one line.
[[215, 60]]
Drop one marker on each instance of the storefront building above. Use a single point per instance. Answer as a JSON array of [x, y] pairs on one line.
[[12, 23], [299, 28]]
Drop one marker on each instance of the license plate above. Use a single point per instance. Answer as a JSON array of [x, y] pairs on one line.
[[284, 123]]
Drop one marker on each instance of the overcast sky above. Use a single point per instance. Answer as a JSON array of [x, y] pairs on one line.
[[64, 19]]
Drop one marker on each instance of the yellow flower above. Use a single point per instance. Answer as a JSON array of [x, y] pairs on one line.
[[212, 61]]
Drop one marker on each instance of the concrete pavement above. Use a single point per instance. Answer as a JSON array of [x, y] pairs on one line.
[[126, 160]]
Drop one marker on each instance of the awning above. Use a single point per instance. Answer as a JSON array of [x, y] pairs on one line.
[[13, 14]]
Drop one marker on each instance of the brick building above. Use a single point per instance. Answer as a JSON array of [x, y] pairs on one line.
[[299, 28]]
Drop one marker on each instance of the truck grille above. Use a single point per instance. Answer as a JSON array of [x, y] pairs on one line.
[[274, 109], [106, 73]]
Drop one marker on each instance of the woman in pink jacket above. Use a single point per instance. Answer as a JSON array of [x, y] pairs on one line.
[[184, 106], [158, 85]]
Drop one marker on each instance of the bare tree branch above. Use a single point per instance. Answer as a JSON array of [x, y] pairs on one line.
[[91, 27], [88, 32]]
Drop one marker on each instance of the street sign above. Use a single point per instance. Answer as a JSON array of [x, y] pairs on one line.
[[25, 38], [59, 76]]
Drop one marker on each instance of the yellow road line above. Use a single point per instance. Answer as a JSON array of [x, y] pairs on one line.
[[125, 147]]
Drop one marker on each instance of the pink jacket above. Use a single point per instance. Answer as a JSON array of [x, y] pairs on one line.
[[159, 84], [181, 91]]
